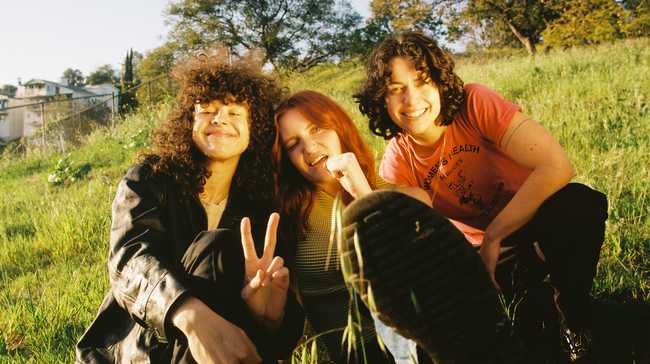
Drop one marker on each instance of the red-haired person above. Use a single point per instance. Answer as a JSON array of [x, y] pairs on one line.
[[496, 173], [318, 154]]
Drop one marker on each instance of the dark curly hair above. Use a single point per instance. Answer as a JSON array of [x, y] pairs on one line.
[[429, 58], [216, 75]]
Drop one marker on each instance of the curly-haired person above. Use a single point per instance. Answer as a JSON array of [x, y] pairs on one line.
[[499, 176], [189, 283]]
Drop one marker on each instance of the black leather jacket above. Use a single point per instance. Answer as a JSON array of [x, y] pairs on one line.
[[151, 229]]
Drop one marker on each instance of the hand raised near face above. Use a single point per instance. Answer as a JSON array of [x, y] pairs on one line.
[[346, 169], [267, 279]]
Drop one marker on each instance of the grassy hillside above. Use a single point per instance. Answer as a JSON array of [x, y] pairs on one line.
[[53, 240]]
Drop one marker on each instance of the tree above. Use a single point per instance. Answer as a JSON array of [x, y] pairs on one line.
[[128, 101], [8, 90], [585, 22], [405, 15], [292, 33], [639, 25], [103, 74], [72, 77], [524, 19], [154, 70], [157, 62]]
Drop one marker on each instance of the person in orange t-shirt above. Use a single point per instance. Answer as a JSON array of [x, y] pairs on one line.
[[496, 173]]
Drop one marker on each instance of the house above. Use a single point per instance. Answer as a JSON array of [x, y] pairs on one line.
[[35, 94], [110, 94], [11, 126]]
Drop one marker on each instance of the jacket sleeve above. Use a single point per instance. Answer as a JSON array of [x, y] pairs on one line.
[[139, 264]]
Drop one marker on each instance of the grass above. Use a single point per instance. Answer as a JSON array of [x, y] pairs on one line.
[[53, 240]]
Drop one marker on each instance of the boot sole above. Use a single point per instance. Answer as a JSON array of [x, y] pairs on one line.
[[420, 275]]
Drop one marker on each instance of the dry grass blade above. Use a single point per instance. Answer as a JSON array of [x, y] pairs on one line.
[[334, 225], [357, 248], [313, 355], [415, 302]]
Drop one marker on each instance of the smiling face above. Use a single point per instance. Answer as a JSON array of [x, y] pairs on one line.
[[412, 100], [308, 147], [221, 129]]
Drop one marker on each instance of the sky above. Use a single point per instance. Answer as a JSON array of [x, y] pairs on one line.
[[42, 38]]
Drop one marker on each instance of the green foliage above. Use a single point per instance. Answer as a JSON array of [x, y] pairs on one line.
[[103, 74], [585, 22], [138, 140], [154, 69], [294, 33], [496, 22], [555, 23], [639, 24], [156, 63], [8, 90], [66, 171], [73, 77], [128, 101], [405, 15]]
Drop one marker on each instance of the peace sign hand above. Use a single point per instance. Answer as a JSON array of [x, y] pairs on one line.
[[267, 279]]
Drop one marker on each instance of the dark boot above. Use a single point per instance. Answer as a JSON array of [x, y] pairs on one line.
[[422, 277]]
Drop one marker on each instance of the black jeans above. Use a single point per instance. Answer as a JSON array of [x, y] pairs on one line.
[[215, 263], [569, 229]]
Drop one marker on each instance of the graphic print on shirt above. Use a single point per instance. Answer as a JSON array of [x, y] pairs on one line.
[[451, 174]]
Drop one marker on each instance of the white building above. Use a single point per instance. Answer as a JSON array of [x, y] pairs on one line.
[[106, 92], [11, 123], [38, 93]]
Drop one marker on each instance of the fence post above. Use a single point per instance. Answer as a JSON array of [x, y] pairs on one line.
[[113, 110], [149, 91], [43, 125]]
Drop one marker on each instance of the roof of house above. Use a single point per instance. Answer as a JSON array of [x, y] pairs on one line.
[[37, 81]]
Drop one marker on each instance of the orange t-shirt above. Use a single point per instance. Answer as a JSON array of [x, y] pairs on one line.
[[471, 180]]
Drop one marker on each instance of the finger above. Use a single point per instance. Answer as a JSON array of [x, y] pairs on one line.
[[256, 282], [271, 234], [335, 165], [253, 285], [281, 277], [247, 243], [275, 265], [267, 280]]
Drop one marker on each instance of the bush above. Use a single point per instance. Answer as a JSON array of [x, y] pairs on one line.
[[67, 171]]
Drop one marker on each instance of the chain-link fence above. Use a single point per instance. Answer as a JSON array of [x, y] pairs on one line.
[[60, 122]]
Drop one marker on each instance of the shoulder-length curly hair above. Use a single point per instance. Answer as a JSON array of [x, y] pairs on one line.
[[294, 193], [429, 58], [202, 79]]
